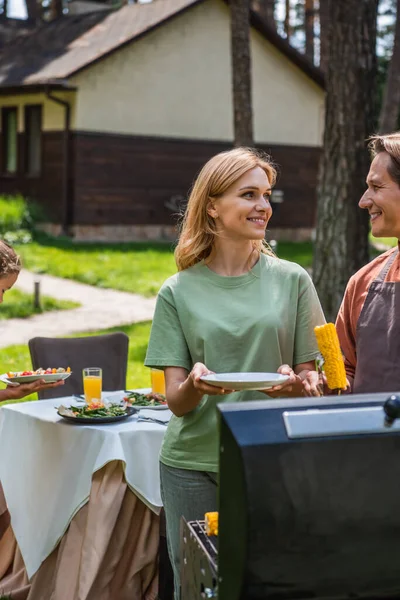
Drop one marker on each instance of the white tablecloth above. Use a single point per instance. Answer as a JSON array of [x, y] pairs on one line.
[[46, 468]]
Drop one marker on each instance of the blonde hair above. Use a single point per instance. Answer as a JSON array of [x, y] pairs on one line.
[[389, 143], [10, 263], [198, 228]]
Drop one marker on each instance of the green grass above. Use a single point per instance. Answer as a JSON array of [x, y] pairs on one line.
[[16, 358], [135, 267], [18, 305], [389, 242], [299, 252]]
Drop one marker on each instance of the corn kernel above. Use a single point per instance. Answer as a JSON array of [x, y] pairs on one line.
[[211, 519], [328, 344]]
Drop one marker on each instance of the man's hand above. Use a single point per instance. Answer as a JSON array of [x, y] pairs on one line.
[[17, 392], [314, 384]]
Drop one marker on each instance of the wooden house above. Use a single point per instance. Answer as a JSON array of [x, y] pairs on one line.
[[106, 117]]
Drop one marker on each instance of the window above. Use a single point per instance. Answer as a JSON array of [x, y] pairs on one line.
[[33, 139], [9, 127]]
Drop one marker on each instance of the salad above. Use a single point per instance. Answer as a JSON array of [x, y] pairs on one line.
[[39, 371], [138, 399], [93, 410]]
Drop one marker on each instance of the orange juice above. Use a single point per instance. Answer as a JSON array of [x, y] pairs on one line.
[[157, 381], [92, 380]]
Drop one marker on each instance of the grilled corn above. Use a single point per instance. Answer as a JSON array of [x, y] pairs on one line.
[[211, 520], [328, 344]]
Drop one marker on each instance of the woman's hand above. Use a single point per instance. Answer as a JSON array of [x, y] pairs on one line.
[[293, 387], [18, 392], [185, 390], [198, 371]]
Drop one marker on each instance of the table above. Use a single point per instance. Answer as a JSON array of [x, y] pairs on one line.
[[59, 482]]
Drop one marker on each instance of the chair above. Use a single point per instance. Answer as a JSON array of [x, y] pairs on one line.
[[109, 351]]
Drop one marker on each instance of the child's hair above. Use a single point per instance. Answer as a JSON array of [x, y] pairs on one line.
[[10, 263]]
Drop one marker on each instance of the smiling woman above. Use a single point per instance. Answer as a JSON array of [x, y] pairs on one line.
[[233, 307]]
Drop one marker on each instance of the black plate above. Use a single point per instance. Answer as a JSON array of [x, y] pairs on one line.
[[129, 411]]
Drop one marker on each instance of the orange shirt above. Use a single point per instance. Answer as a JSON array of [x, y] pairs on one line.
[[353, 301]]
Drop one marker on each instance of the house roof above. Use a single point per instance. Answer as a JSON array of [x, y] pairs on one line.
[[55, 51]]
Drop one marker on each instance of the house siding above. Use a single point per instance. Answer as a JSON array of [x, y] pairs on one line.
[[53, 114], [176, 82], [46, 187], [143, 181]]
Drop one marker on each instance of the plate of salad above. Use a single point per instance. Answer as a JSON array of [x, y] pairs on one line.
[[146, 400], [96, 412], [49, 375]]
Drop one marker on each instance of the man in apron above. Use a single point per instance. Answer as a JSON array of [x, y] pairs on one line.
[[368, 323]]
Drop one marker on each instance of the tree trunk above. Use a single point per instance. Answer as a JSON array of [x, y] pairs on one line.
[[309, 29], [388, 120], [32, 10], [5, 9], [324, 34], [286, 24], [56, 9], [341, 246], [266, 10], [241, 72]]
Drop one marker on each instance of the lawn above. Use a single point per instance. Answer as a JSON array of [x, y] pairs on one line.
[[134, 267], [18, 305], [15, 358], [388, 242]]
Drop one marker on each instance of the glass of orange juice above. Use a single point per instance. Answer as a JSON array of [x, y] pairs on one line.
[[92, 383], [157, 381]]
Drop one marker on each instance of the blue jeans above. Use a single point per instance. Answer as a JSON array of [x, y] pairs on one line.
[[188, 494]]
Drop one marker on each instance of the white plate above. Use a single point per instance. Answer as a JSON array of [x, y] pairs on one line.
[[48, 378], [245, 381]]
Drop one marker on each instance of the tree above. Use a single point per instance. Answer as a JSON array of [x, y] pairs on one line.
[[56, 9], [324, 34], [309, 28], [286, 24], [241, 72], [33, 10], [4, 13], [388, 120], [266, 9], [341, 246]]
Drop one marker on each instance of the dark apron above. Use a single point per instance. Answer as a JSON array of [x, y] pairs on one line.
[[378, 337]]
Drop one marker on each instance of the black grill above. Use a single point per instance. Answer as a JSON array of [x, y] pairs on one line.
[[199, 554]]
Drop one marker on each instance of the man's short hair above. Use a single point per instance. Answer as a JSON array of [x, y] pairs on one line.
[[389, 143]]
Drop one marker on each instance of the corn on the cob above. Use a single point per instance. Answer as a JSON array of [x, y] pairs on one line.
[[211, 519], [328, 344]]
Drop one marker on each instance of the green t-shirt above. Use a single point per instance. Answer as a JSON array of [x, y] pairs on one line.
[[253, 322]]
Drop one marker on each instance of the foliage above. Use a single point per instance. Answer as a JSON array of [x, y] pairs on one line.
[[17, 219], [16, 358], [19, 305], [136, 267], [133, 267]]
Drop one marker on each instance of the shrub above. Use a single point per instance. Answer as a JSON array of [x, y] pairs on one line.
[[17, 219]]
